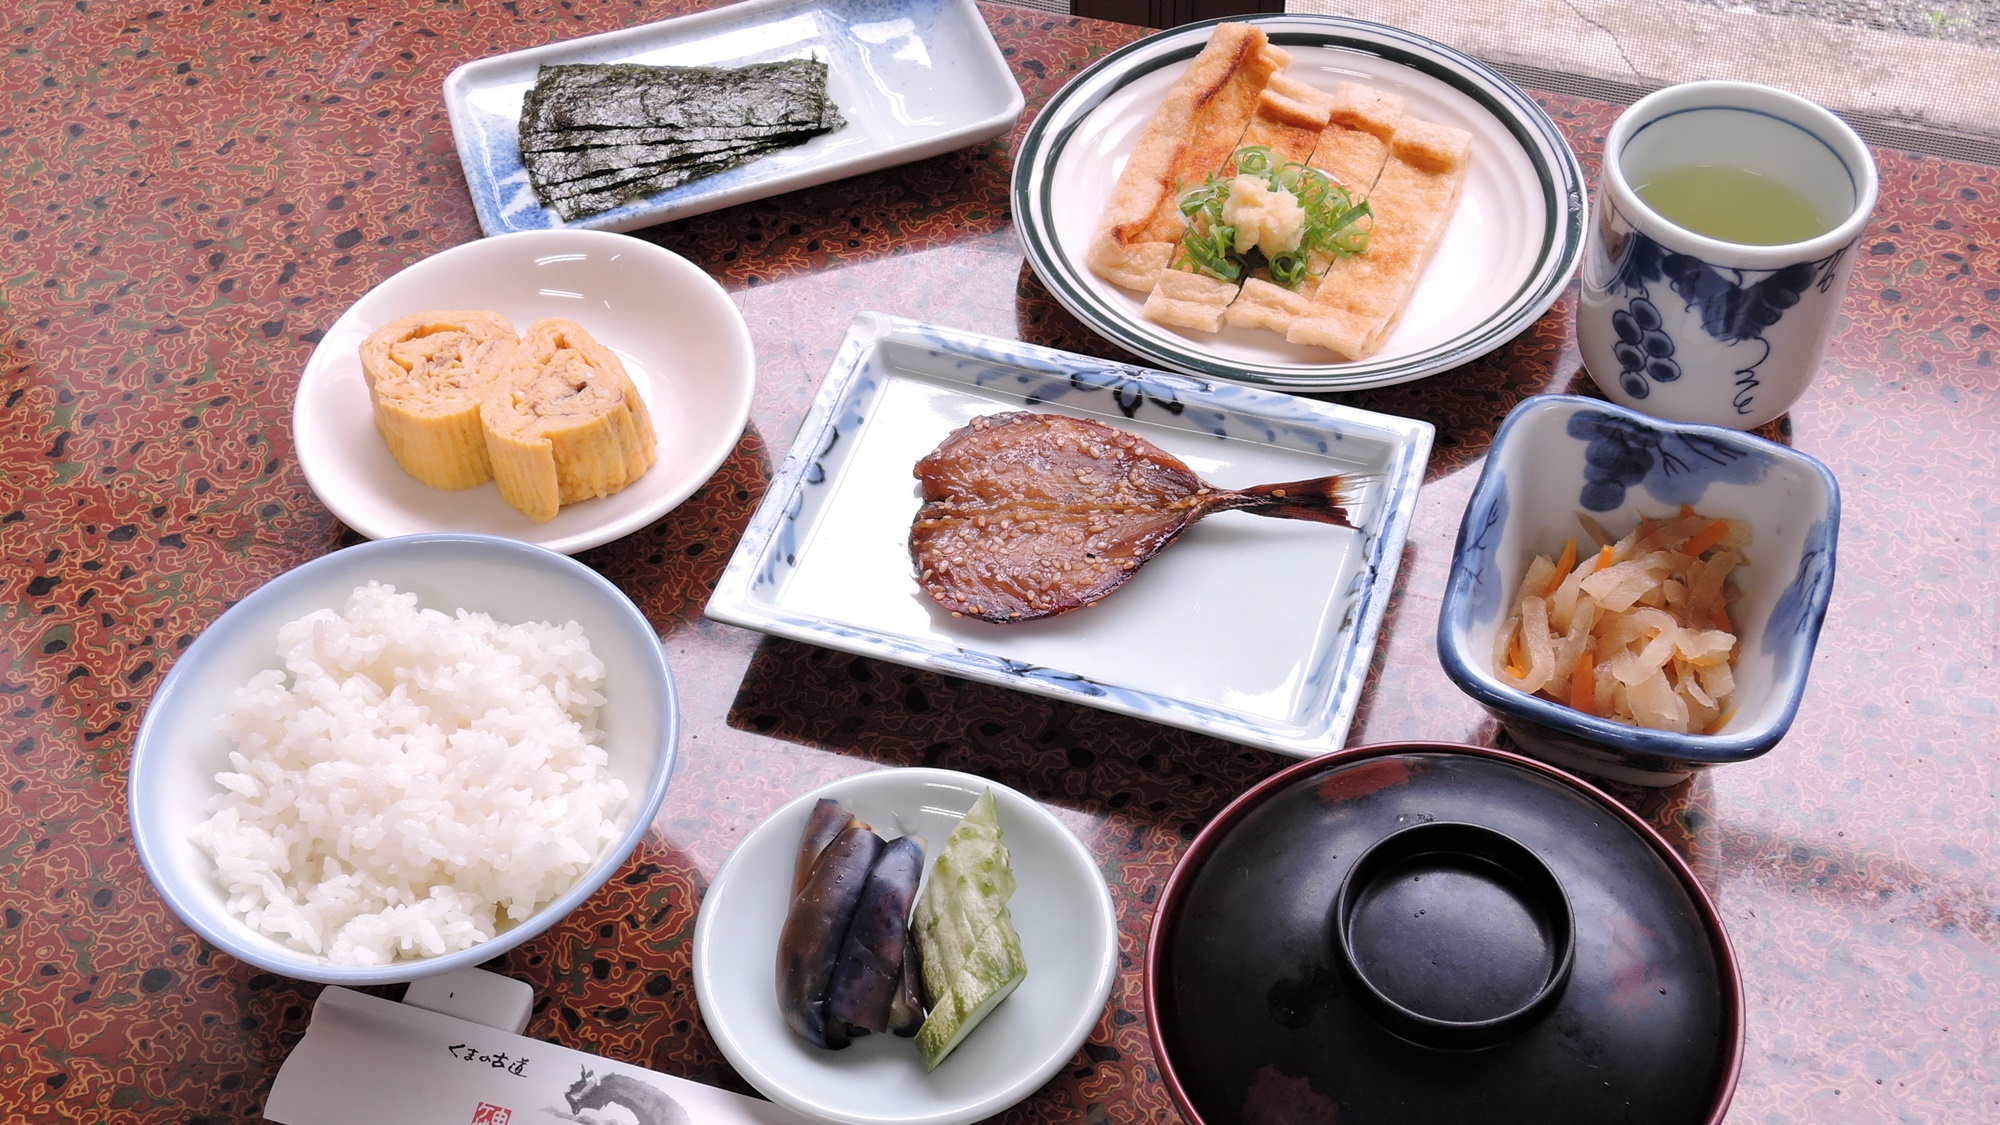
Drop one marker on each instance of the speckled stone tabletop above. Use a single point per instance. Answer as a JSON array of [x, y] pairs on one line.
[[193, 192]]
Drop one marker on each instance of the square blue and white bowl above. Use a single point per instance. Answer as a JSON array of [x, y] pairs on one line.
[[1557, 456]]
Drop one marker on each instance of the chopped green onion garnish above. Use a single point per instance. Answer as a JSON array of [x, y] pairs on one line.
[[1333, 221]]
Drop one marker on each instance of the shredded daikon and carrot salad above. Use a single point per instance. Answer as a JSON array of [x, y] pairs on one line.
[[1637, 630]]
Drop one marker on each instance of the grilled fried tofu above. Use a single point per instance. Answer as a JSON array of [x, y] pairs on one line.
[[1196, 129]]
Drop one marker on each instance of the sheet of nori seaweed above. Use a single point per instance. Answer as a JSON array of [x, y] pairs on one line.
[[581, 99], [594, 136], [673, 144], [626, 106], [567, 174], [576, 200], [586, 138], [624, 95], [557, 166]]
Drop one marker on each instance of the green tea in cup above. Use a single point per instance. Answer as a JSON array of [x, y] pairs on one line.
[[1733, 205], [1723, 236]]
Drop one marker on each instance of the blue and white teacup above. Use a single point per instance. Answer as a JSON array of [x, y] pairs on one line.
[[1692, 328]]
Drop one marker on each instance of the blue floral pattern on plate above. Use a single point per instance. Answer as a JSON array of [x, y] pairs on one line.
[[1673, 466], [1797, 614], [1480, 538]]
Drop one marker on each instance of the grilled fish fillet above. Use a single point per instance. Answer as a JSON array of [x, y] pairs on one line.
[[1030, 515], [426, 376], [564, 422]]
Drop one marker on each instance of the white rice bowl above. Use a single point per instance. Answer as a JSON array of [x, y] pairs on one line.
[[410, 779], [308, 809]]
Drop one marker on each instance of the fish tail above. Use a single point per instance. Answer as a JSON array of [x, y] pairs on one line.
[[1320, 500]]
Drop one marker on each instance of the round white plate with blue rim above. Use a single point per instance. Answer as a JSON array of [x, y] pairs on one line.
[[1061, 910], [1509, 252]]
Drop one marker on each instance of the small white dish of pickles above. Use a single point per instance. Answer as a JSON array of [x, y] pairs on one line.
[[1060, 910]]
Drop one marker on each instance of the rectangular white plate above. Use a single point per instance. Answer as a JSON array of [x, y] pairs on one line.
[[1252, 629], [913, 78]]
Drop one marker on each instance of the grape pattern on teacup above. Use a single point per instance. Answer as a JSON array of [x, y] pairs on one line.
[[1734, 308], [1644, 352]]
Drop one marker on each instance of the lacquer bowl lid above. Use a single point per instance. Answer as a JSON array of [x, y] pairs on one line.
[[1425, 932]]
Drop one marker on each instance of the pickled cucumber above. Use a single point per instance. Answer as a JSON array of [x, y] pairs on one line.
[[971, 955]]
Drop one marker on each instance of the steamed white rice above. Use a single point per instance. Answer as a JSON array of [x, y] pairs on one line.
[[411, 782]]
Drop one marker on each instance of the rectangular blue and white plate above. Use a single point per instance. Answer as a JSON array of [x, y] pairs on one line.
[[912, 78], [1251, 629]]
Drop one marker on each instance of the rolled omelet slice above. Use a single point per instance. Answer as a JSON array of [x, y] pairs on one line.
[[564, 422], [427, 374]]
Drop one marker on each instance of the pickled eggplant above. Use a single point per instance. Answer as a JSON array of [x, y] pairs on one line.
[[868, 974], [828, 820], [906, 1012], [816, 926]]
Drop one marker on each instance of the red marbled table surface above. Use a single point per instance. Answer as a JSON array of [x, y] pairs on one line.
[[194, 192]]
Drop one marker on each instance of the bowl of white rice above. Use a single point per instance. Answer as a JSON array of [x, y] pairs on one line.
[[403, 758]]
